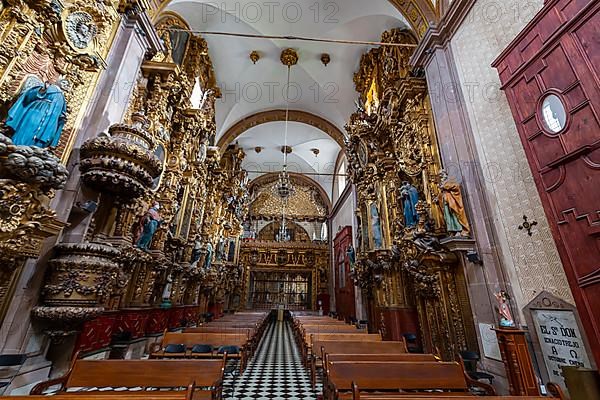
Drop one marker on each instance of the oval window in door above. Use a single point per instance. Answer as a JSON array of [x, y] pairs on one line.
[[554, 114]]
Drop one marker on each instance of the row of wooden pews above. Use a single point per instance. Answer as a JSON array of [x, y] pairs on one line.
[[237, 335], [181, 374], [359, 365]]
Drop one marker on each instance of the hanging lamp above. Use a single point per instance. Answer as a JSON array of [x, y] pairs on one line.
[[284, 186]]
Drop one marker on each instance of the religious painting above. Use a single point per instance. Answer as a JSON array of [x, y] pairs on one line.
[[186, 216], [363, 153], [179, 44], [364, 237], [376, 230], [161, 153]]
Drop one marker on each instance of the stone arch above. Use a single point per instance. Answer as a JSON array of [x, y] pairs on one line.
[[279, 115]]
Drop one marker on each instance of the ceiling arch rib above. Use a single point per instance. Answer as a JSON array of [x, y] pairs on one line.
[[264, 117]]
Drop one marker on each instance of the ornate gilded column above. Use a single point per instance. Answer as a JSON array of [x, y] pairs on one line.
[[30, 175]]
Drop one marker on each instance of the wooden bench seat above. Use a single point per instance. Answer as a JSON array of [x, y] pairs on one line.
[[306, 347], [397, 376], [248, 332], [374, 357], [433, 397], [189, 340], [328, 346], [160, 374]]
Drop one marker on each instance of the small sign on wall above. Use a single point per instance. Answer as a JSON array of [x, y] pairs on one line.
[[557, 337], [560, 340], [489, 340]]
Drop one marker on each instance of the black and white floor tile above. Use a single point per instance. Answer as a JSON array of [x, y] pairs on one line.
[[276, 372]]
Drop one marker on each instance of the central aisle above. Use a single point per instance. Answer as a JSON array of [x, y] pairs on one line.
[[276, 372]]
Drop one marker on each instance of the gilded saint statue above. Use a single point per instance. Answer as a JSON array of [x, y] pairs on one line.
[[451, 203], [38, 116], [148, 225]]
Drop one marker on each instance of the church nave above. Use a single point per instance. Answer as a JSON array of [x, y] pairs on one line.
[[413, 183]]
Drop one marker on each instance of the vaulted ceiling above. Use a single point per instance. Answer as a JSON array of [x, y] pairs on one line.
[[254, 94]]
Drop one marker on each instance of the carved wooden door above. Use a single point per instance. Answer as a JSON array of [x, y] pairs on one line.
[[344, 287], [551, 75]]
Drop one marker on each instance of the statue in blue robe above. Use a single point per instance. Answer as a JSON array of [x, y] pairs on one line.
[[410, 198], [351, 256], [147, 227], [38, 116]]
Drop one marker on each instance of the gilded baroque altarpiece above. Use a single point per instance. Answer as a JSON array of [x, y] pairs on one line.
[[393, 162]]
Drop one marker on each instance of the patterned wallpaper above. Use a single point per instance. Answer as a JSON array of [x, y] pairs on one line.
[[533, 263]]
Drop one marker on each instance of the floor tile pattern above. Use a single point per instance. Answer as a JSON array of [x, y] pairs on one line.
[[276, 372]]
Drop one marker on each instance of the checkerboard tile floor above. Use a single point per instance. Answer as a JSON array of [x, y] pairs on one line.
[[276, 372]]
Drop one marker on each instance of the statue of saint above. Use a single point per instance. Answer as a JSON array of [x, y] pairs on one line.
[[201, 157], [166, 294], [506, 319], [196, 251], [209, 256], [376, 226], [149, 223], [410, 198], [38, 116], [351, 256], [452, 205]]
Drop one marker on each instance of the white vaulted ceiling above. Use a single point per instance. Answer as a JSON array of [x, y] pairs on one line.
[[302, 138], [248, 89]]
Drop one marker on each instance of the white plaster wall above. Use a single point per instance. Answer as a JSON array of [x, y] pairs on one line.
[[532, 263]]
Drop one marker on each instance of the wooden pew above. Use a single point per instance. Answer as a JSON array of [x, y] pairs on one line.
[[397, 376], [190, 339], [247, 332], [328, 346], [307, 347], [141, 373], [358, 396], [374, 357]]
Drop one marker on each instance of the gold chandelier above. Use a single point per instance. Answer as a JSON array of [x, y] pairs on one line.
[[284, 187]]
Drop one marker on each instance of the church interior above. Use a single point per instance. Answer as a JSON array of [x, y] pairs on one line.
[[384, 199]]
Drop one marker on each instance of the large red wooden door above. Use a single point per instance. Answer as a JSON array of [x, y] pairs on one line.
[[551, 75], [344, 286]]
